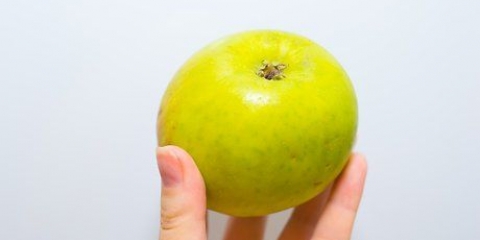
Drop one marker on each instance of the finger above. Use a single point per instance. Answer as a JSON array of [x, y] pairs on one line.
[[336, 221], [304, 218], [241, 228], [183, 207]]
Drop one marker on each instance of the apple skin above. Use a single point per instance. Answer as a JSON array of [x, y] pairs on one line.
[[261, 145]]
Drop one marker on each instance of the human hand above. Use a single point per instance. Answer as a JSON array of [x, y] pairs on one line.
[[328, 216]]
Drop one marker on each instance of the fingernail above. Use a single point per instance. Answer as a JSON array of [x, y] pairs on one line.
[[169, 167]]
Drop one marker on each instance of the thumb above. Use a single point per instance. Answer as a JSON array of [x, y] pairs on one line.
[[183, 210]]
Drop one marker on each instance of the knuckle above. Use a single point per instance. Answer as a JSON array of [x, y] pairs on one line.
[[170, 218]]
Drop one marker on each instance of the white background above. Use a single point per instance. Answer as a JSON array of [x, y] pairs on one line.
[[80, 84]]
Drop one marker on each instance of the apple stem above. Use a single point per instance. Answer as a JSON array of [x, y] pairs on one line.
[[272, 71]]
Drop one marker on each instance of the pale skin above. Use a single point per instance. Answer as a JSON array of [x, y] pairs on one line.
[[328, 216]]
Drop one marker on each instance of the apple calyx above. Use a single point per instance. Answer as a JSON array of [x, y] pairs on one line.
[[272, 71]]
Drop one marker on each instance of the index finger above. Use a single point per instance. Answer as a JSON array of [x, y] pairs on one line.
[[336, 221]]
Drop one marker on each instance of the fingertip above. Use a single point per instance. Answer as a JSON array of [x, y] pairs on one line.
[[358, 161], [170, 168], [164, 152], [193, 178], [173, 152], [358, 156], [178, 152]]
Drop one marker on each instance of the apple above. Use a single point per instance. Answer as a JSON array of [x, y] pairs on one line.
[[269, 117]]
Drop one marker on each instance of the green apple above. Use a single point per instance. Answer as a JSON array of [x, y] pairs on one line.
[[269, 117]]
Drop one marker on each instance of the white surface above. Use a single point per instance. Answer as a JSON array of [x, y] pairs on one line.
[[80, 84]]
